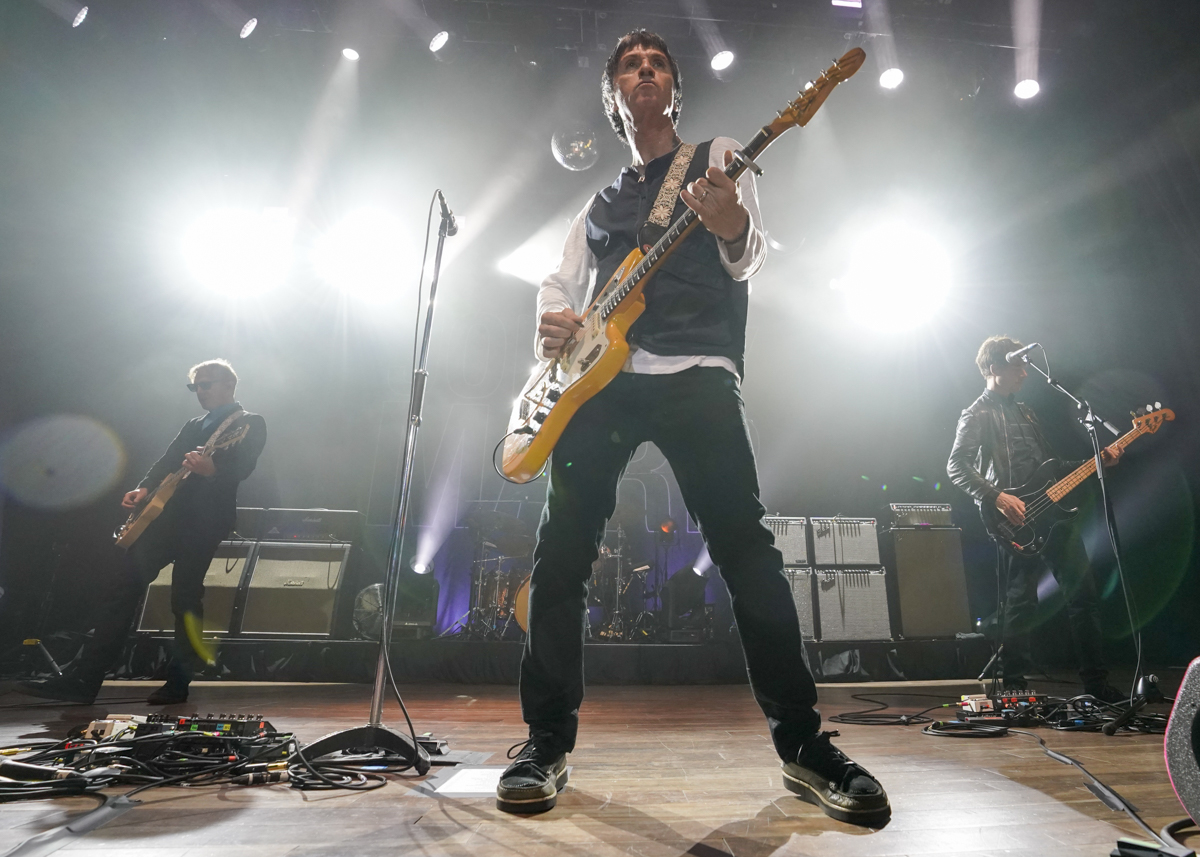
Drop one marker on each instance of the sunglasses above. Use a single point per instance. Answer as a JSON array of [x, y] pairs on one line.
[[200, 385]]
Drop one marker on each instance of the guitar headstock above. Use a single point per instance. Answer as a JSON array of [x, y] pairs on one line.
[[1151, 417], [805, 105]]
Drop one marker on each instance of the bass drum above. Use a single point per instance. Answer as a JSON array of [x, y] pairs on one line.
[[521, 605]]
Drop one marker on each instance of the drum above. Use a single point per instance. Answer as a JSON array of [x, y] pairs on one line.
[[521, 605]]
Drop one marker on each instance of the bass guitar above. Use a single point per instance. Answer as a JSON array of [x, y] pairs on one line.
[[595, 354], [154, 502], [1044, 492]]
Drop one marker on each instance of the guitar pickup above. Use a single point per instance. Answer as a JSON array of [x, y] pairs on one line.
[[539, 417], [553, 395]]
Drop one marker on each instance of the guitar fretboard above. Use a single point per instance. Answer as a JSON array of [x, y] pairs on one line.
[[1068, 483]]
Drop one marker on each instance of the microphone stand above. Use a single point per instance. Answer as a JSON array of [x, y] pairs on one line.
[[374, 736]]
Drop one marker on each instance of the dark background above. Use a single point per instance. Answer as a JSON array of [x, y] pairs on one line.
[[1072, 220]]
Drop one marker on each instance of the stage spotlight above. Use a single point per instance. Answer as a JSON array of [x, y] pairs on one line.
[[439, 41], [721, 60], [350, 54], [1026, 89], [420, 567], [898, 277], [361, 255], [248, 28], [80, 16], [891, 78], [237, 251]]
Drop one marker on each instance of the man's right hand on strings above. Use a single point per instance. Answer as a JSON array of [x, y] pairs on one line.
[[1012, 508], [556, 328], [134, 497]]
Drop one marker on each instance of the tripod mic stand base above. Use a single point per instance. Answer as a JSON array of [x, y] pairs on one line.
[[381, 738]]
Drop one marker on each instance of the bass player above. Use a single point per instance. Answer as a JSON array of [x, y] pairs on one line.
[[187, 533], [999, 442], [680, 390]]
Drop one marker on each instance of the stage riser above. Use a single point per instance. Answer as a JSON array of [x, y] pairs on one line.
[[467, 662]]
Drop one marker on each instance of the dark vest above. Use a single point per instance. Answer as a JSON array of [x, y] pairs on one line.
[[693, 306]]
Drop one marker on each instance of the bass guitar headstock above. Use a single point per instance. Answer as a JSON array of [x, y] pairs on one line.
[[1151, 417], [805, 105]]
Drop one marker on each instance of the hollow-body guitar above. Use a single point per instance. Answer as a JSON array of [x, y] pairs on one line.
[[595, 354], [153, 504], [1044, 491]]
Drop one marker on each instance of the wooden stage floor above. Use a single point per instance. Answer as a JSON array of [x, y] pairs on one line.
[[668, 771]]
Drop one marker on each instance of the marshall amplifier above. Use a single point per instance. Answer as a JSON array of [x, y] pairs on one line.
[[852, 604], [310, 525], [930, 584], [791, 537], [845, 543], [293, 589], [801, 583], [222, 582]]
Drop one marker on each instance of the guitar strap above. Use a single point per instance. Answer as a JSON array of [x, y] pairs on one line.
[[668, 196], [228, 421]]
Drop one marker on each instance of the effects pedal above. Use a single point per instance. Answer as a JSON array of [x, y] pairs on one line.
[[1002, 705]]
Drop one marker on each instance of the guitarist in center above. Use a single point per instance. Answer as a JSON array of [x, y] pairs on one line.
[[681, 391], [197, 518], [999, 444]]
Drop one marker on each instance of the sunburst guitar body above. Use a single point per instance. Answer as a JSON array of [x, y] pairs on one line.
[[595, 354]]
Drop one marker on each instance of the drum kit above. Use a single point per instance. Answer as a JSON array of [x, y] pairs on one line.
[[500, 577]]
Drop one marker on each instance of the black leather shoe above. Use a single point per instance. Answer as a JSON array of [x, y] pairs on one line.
[[532, 782], [168, 694], [61, 688], [823, 775], [1106, 693]]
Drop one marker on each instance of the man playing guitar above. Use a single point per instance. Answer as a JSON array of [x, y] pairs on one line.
[[681, 391], [999, 442], [187, 533]]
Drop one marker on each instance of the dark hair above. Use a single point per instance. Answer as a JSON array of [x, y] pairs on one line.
[[637, 39], [992, 352]]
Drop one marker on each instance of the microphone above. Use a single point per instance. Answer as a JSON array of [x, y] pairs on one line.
[[447, 216], [1017, 356]]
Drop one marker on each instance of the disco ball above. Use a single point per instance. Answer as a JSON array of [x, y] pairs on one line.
[[575, 147]]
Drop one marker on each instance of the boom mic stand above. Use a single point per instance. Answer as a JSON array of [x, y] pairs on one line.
[[374, 735]]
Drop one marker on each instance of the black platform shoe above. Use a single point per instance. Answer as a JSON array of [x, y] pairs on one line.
[[532, 782], [823, 775]]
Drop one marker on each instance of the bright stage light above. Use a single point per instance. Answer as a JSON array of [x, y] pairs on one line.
[[248, 28], [722, 60], [898, 278], [420, 567], [350, 54], [80, 17], [1026, 89], [361, 255], [439, 41], [891, 78], [237, 251]]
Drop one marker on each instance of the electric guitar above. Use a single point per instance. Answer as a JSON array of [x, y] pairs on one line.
[[1043, 492], [154, 502], [595, 354]]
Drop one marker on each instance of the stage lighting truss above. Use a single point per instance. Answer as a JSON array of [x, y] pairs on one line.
[[898, 277]]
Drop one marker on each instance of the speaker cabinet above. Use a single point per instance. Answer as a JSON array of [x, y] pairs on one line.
[[293, 588], [791, 537], [801, 583], [221, 585], [931, 589], [852, 604], [845, 542], [1182, 742]]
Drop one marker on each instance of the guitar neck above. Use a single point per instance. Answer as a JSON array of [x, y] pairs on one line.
[[1069, 482], [680, 229]]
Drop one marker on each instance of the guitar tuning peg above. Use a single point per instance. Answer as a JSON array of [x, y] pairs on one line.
[[1149, 408], [1157, 405]]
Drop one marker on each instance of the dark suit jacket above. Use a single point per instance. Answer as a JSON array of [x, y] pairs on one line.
[[209, 503]]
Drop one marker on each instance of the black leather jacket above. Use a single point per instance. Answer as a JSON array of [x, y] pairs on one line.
[[980, 461]]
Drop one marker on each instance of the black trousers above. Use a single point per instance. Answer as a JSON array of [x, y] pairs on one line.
[[171, 538], [1066, 558], [696, 418]]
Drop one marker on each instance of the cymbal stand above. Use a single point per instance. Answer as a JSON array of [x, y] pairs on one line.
[[616, 624]]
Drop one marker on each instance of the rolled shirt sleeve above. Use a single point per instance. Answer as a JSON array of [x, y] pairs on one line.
[[568, 286], [755, 253]]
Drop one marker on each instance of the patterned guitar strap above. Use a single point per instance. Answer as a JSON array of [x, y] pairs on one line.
[[226, 423], [668, 195]]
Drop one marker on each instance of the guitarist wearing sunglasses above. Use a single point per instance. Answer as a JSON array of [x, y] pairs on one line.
[[999, 442], [194, 521], [680, 390]]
